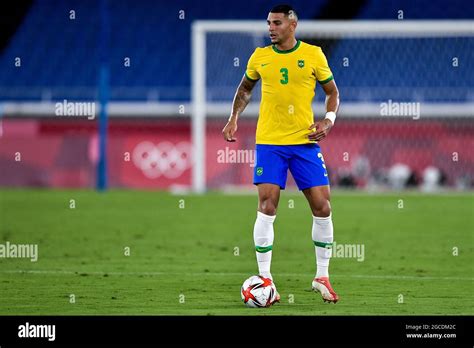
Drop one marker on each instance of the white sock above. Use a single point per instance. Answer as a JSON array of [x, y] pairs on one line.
[[322, 237], [263, 239]]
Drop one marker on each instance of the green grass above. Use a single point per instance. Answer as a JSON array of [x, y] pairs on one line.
[[190, 251]]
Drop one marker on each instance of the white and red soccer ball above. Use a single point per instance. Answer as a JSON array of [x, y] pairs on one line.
[[258, 292]]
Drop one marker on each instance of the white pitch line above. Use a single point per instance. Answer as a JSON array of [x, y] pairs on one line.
[[200, 274]]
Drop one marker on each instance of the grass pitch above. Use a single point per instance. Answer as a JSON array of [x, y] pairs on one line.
[[188, 255]]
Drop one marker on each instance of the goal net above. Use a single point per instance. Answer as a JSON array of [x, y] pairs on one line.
[[407, 102]]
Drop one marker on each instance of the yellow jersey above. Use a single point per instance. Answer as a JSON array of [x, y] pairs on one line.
[[288, 84]]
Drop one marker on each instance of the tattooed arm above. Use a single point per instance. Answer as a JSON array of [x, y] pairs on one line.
[[241, 99], [323, 127]]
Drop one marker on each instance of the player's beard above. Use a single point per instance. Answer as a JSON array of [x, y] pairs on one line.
[[278, 40], [275, 40]]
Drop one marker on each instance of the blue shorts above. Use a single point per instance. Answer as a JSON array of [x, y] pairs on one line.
[[305, 162]]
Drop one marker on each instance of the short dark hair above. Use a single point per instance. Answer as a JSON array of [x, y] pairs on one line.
[[285, 9]]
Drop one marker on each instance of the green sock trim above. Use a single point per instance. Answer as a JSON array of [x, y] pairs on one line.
[[260, 249], [323, 245]]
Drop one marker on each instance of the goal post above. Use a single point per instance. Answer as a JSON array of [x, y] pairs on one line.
[[215, 100], [198, 115]]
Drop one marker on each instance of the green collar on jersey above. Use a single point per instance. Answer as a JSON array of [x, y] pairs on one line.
[[287, 51]]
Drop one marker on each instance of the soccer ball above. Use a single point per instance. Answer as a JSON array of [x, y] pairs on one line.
[[258, 292]]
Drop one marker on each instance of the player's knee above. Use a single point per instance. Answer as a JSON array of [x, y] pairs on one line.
[[322, 209], [267, 207]]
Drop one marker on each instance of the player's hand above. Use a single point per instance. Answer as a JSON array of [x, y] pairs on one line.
[[229, 131], [322, 130]]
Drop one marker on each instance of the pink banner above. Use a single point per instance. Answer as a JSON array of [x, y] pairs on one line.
[[157, 154]]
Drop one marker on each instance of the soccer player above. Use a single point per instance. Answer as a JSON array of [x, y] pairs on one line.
[[287, 136]]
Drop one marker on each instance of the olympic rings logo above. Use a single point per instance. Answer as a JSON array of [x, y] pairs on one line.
[[163, 159]]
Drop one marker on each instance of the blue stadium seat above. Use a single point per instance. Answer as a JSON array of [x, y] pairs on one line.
[[60, 53]]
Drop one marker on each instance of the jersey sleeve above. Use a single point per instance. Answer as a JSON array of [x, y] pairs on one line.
[[251, 73], [323, 72]]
